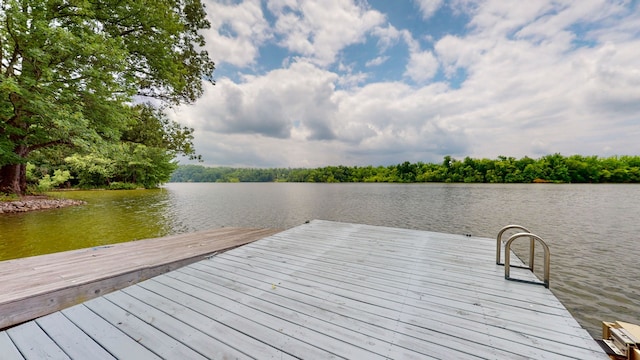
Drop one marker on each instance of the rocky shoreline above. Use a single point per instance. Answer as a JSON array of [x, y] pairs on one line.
[[36, 203]]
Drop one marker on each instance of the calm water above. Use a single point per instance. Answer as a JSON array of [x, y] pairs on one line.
[[592, 229]]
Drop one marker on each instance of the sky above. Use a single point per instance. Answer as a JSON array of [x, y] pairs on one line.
[[313, 83]]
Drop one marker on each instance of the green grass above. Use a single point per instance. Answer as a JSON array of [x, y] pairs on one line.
[[9, 197]]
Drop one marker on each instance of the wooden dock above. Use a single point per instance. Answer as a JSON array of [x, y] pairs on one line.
[[39, 285], [320, 290]]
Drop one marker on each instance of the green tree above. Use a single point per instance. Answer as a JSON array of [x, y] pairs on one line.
[[151, 127], [143, 157], [557, 168], [70, 70], [407, 172], [59, 177], [472, 171], [578, 169], [92, 170], [143, 165], [532, 172]]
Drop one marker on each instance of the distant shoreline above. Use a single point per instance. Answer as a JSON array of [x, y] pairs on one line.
[[34, 203], [574, 169]]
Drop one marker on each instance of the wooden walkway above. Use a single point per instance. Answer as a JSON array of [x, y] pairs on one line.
[[35, 286], [317, 291]]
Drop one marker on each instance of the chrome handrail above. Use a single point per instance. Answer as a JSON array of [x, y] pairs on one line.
[[547, 256], [499, 243]]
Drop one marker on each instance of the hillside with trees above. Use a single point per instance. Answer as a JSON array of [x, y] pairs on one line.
[[550, 168]]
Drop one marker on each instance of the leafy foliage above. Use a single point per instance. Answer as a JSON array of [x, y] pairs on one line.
[[59, 177], [70, 70], [153, 128], [550, 168], [92, 170]]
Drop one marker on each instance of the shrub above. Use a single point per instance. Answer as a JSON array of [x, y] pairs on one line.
[[49, 182], [116, 185]]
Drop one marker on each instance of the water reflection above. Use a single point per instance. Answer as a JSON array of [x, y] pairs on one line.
[[109, 217]]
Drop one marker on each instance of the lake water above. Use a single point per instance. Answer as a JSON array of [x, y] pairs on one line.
[[592, 230]]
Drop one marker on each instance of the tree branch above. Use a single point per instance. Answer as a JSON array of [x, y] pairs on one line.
[[49, 143], [16, 51]]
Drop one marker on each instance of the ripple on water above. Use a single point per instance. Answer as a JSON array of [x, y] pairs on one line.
[[591, 229]]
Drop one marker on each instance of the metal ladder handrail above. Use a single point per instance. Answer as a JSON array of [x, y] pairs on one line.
[[547, 256], [499, 245]]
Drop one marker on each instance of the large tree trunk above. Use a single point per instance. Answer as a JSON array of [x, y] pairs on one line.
[[13, 179]]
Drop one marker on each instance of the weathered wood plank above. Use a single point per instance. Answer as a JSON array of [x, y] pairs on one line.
[[8, 350], [73, 341], [113, 340], [36, 286], [388, 256], [433, 277], [33, 343], [508, 321], [331, 290], [270, 335], [155, 250], [347, 330], [203, 342], [308, 309], [157, 341], [8, 266], [227, 340], [470, 323], [340, 341], [391, 296]]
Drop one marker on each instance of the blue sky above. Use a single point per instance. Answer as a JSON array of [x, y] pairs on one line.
[[310, 83]]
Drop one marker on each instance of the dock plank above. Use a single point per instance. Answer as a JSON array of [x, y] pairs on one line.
[[307, 308], [470, 321], [438, 280], [70, 339], [230, 316], [112, 339], [201, 338], [8, 349], [392, 297], [153, 339], [213, 322], [328, 336], [39, 285], [348, 330], [335, 290], [34, 344]]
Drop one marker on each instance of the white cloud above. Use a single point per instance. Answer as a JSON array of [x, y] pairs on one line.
[[526, 88], [272, 105], [377, 61], [455, 52], [618, 28], [352, 80], [320, 30], [237, 32], [388, 36], [428, 7], [393, 119], [497, 18], [422, 66]]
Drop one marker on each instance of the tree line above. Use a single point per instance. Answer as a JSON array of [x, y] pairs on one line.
[[554, 168]]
